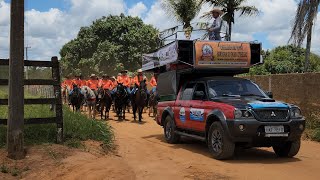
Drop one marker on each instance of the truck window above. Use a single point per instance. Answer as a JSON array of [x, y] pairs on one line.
[[200, 87], [188, 91]]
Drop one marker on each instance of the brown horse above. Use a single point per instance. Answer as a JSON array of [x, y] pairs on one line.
[[105, 101], [139, 100], [153, 103]]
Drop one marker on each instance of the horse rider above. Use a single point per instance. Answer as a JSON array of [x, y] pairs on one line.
[[137, 79], [68, 83], [153, 83], [77, 80], [93, 83], [125, 80], [106, 83], [214, 30]]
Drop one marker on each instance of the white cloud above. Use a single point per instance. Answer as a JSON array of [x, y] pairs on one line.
[[158, 17], [138, 10], [46, 32]]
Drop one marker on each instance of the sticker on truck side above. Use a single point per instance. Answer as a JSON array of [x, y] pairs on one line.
[[182, 115], [197, 114]]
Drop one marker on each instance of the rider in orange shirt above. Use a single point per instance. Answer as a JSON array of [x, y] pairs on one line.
[[77, 81], [92, 83], [153, 83], [106, 83], [137, 79], [125, 80], [68, 83]]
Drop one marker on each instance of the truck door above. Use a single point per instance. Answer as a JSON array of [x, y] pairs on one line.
[[198, 107], [182, 106]]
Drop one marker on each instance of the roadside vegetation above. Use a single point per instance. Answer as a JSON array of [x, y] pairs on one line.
[[77, 127]]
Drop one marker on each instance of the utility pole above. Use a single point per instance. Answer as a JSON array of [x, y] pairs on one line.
[[27, 47], [15, 141]]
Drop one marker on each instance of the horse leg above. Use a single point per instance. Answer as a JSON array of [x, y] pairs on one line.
[[140, 109], [124, 112]]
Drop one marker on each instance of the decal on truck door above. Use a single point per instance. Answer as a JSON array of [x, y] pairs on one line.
[[182, 115], [197, 114]]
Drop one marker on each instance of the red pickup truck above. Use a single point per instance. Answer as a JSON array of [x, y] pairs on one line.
[[226, 112]]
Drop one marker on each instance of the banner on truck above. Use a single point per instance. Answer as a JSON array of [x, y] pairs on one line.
[[165, 55], [222, 54]]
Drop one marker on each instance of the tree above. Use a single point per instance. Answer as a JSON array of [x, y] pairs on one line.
[[184, 11], [107, 43], [230, 7], [285, 59], [305, 18]]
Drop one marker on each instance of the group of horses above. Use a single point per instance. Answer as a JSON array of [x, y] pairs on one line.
[[120, 101]]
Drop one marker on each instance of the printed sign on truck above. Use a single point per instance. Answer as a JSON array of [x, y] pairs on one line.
[[222, 54]]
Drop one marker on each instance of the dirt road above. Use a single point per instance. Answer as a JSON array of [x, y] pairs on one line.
[[143, 148], [143, 154]]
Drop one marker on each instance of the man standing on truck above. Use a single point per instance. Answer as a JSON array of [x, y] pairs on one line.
[[214, 30]]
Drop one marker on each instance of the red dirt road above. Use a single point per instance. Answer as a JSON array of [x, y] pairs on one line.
[[143, 148], [143, 154]]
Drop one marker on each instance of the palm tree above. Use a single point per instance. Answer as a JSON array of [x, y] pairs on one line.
[[184, 11], [230, 7], [302, 27]]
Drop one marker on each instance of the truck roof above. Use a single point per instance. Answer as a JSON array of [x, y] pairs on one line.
[[224, 78]]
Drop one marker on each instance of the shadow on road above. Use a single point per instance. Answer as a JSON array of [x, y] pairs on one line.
[[253, 155]]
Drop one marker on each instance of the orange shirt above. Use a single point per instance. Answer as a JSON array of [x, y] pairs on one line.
[[138, 79], [106, 84], [68, 83], [114, 84], [125, 80], [153, 81], [93, 84], [77, 82]]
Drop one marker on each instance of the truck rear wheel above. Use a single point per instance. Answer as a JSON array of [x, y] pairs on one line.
[[287, 149], [219, 144], [169, 131]]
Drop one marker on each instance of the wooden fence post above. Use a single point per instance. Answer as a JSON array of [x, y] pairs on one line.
[[15, 142], [57, 93]]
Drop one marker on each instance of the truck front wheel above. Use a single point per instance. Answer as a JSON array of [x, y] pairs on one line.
[[219, 144], [169, 131], [287, 149]]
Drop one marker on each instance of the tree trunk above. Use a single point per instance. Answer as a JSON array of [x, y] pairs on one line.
[[308, 49], [229, 33]]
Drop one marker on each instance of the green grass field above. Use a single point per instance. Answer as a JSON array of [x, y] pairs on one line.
[[77, 127]]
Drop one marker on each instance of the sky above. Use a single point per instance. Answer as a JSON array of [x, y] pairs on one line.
[[49, 24]]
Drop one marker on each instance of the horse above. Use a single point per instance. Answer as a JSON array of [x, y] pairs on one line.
[[120, 100], [105, 101], [65, 94], [139, 100], [153, 102], [76, 99], [90, 99]]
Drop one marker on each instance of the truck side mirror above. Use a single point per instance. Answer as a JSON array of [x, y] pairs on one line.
[[199, 95], [270, 94]]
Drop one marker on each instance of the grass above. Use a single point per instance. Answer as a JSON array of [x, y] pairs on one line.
[[77, 127]]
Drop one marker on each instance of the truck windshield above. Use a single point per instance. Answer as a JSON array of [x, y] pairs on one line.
[[234, 88]]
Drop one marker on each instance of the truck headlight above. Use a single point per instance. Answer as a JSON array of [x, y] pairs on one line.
[[295, 113], [242, 114]]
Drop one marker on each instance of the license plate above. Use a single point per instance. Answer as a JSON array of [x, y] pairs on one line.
[[274, 129]]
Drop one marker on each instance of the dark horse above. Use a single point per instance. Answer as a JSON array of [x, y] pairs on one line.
[[120, 101], [76, 98], [153, 102], [105, 101], [139, 100]]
